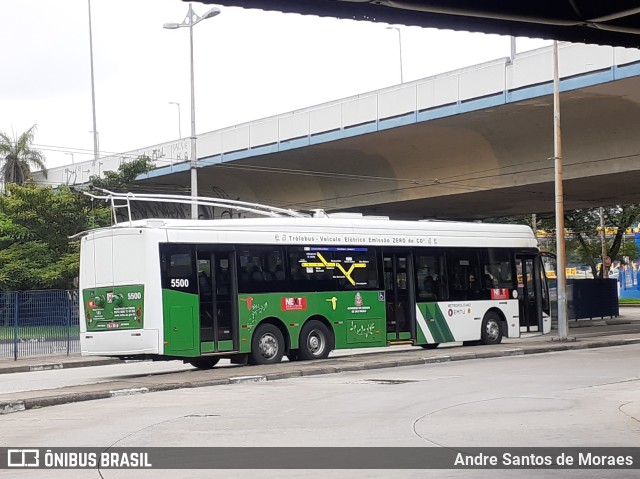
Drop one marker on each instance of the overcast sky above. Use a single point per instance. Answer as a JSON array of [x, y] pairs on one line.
[[249, 64]]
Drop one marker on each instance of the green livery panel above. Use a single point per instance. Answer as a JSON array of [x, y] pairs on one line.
[[181, 323], [113, 308], [436, 323], [357, 318]]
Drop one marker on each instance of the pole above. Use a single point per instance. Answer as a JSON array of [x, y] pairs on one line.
[[559, 203], [16, 316], [194, 159], [513, 49], [400, 46], [397, 29], [603, 243], [179, 120], [93, 90]]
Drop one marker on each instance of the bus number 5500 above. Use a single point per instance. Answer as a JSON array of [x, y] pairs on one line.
[[179, 283]]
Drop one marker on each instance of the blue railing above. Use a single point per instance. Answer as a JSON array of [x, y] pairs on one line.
[[38, 323]]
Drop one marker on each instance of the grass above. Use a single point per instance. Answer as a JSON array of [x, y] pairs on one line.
[[38, 332], [629, 301]]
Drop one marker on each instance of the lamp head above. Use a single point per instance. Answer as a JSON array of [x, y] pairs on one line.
[[171, 25], [211, 13]]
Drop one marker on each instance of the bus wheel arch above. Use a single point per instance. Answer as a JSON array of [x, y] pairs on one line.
[[493, 327], [269, 342], [317, 338]]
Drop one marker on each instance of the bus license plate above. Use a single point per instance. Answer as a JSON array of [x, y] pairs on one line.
[[113, 325]]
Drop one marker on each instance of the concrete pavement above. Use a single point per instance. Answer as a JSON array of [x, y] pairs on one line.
[[583, 335]]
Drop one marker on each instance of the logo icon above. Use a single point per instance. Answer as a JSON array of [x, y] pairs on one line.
[[293, 304], [358, 300], [334, 302], [23, 458]]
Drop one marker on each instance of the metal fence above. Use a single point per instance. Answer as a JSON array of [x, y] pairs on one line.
[[38, 323]]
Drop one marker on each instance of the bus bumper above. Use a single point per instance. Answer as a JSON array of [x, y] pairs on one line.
[[119, 343]]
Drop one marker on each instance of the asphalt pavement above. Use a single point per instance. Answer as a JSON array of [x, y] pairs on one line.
[[583, 334]]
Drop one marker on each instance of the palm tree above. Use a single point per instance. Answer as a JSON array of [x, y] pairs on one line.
[[18, 157]]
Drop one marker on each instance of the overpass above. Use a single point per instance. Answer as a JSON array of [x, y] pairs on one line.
[[470, 143]]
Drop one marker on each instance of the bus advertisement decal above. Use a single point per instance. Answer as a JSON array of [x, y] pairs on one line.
[[293, 304], [116, 307]]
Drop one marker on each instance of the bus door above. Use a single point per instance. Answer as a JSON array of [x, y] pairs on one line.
[[399, 295], [218, 313], [528, 271]]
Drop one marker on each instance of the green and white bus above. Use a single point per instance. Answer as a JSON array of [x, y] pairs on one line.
[[295, 285]]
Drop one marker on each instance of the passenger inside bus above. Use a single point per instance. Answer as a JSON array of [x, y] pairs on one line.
[[204, 282], [430, 289]]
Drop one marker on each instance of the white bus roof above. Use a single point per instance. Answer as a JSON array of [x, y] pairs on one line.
[[333, 231]]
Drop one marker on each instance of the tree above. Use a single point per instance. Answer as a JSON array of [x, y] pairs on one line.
[[583, 243], [35, 225], [18, 157], [583, 225], [123, 179]]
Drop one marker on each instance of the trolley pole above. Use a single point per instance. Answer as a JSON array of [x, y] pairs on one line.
[[563, 325]]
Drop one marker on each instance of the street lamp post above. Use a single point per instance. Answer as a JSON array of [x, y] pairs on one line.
[[96, 144], [179, 122], [189, 21], [93, 90], [400, 45]]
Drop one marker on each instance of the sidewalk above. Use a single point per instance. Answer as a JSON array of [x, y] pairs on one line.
[[595, 334]]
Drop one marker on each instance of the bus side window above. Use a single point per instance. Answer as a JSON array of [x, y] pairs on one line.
[[261, 269], [431, 278], [465, 278], [497, 267]]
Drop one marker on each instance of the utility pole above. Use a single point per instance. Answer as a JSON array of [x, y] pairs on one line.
[[563, 325], [603, 243]]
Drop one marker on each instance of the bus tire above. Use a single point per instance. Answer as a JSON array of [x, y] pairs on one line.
[[491, 329], [316, 342], [430, 345], [267, 345], [203, 363]]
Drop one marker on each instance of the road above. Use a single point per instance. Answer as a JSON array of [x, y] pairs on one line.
[[583, 398], [129, 371]]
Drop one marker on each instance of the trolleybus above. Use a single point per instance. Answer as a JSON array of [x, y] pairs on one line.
[[255, 289]]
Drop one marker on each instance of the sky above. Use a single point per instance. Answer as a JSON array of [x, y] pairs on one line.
[[249, 64]]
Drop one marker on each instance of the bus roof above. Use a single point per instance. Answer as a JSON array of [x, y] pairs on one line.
[[335, 231]]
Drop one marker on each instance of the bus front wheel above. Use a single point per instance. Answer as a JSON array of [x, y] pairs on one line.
[[491, 329], [316, 342], [267, 345]]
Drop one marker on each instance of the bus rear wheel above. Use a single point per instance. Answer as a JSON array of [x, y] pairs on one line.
[[267, 345], [491, 329], [203, 363], [316, 342]]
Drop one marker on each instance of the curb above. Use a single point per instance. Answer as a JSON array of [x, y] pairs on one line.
[[8, 407], [50, 366]]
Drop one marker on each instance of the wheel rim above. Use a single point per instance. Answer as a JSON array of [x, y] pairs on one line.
[[268, 346], [316, 343], [493, 330]]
